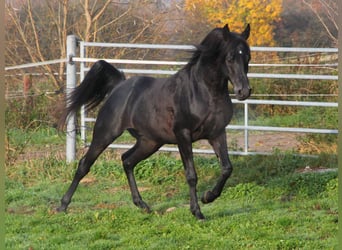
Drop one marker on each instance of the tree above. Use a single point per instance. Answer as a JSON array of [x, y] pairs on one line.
[[28, 34], [326, 12], [299, 27], [260, 14], [37, 30]]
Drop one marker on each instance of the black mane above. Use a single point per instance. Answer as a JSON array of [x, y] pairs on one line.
[[209, 47], [214, 46]]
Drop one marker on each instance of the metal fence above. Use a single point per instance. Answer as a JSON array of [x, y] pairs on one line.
[[159, 67], [139, 67]]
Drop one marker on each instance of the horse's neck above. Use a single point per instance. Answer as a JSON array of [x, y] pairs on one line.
[[212, 78]]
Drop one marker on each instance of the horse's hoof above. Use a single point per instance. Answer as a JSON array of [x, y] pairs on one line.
[[143, 206], [208, 197], [199, 216], [147, 210], [196, 211], [61, 209]]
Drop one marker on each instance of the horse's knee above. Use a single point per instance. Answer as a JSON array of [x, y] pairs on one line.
[[128, 166], [227, 171], [126, 159], [191, 179]]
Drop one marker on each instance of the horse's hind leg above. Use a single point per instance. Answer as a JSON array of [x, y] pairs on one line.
[[141, 150], [99, 143]]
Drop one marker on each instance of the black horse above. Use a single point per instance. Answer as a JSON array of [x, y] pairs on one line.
[[190, 105]]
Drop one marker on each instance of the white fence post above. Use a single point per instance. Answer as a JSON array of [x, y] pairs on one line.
[[246, 127], [70, 84]]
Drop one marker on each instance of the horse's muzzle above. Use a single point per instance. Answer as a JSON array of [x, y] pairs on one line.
[[243, 94]]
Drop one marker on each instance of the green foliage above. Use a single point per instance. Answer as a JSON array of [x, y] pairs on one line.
[[307, 185], [303, 117], [161, 169], [32, 112], [42, 138]]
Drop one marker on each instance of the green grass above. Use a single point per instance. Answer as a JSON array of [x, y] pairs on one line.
[[265, 205], [39, 136], [317, 117]]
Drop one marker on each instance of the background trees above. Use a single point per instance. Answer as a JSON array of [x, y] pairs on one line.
[[326, 12], [301, 24], [260, 14], [36, 31]]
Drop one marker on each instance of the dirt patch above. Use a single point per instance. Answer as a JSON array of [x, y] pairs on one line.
[[126, 188], [309, 169], [261, 142], [88, 180], [21, 210], [267, 141], [258, 142]]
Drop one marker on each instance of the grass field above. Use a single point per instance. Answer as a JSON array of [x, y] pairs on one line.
[[267, 204]]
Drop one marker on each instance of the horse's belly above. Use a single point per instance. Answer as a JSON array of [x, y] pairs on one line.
[[155, 125]]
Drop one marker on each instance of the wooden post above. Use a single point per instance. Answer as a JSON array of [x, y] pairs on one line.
[[27, 91]]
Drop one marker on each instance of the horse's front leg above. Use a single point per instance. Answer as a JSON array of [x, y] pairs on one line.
[[185, 149], [219, 145]]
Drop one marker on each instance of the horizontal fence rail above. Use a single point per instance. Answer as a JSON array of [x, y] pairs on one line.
[[176, 63]]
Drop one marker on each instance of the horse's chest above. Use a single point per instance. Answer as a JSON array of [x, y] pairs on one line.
[[215, 122]]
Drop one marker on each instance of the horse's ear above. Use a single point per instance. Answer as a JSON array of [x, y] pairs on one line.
[[226, 32], [245, 33]]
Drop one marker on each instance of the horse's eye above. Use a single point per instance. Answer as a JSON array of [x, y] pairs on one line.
[[240, 52]]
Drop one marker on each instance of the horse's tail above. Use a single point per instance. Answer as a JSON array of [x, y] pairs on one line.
[[99, 81]]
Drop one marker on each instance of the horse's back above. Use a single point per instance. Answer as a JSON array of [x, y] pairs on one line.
[[132, 99]]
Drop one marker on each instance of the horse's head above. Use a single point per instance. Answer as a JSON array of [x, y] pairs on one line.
[[237, 56]]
